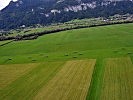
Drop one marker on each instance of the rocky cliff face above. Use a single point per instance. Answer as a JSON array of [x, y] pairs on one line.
[[31, 12]]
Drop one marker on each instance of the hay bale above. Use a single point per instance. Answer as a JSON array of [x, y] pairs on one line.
[[75, 52], [80, 54], [66, 55], [75, 57], [129, 53], [9, 59]]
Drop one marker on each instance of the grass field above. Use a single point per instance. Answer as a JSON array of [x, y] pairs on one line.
[[71, 83], [26, 86], [9, 73], [117, 80], [106, 41], [4, 42], [61, 62]]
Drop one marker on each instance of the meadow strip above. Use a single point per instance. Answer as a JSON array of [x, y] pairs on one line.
[[70, 83], [118, 81], [25, 87], [9, 73]]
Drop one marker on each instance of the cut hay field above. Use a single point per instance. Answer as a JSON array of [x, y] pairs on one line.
[[28, 84], [9, 73], [117, 80], [71, 83], [90, 63]]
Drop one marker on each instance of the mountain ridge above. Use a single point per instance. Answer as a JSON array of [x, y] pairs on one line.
[[32, 12]]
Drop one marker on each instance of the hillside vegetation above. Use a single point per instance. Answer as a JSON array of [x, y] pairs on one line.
[[90, 63]]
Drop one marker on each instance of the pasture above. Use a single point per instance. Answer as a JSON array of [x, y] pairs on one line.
[[71, 83], [91, 63], [107, 41], [117, 80], [28, 84], [9, 73]]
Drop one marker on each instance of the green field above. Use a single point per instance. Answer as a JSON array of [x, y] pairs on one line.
[[71, 83], [4, 42], [9, 73], [38, 69], [26, 86], [117, 80]]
